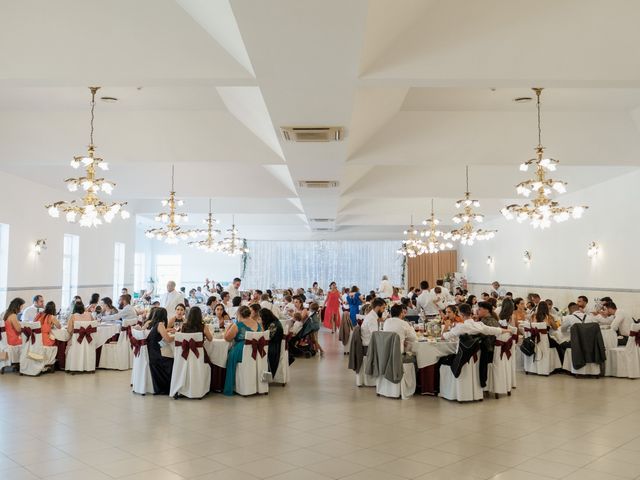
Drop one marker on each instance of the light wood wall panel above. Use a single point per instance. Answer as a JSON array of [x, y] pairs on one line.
[[430, 267]]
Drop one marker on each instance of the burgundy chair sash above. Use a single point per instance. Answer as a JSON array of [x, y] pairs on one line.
[[288, 338], [85, 332], [535, 333], [189, 345], [257, 345], [30, 333], [114, 339], [128, 331], [136, 345], [637, 335], [505, 347]]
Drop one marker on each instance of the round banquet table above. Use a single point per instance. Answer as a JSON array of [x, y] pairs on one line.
[[427, 356], [104, 332], [216, 352]]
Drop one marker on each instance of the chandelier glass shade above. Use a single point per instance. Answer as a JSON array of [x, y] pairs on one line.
[[232, 245], [89, 211], [209, 244], [171, 232], [467, 234], [412, 245], [542, 208], [435, 240]]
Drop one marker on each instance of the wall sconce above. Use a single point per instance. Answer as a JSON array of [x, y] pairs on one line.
[[463, 263], [593, 249], [526, 257], [489, 260], [40, 245]]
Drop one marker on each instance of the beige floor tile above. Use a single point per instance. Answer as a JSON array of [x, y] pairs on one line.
[[122, 468], [368, 458], [299, 474], [614, 467], [335, 468], [542, 466], [84, 474], [19, 474], [53, 467], [195, 466], [266, 467], [405, 468], [302, 457]]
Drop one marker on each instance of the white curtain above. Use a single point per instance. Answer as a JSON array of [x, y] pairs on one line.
[[282, 264]]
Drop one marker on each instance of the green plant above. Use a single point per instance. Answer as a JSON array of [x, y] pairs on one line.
[[245, 258]]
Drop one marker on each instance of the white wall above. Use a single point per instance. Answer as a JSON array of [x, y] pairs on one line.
[[196, 264], [559, 264], [22, 208]]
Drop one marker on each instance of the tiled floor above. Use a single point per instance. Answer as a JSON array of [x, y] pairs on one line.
[[318, 427]]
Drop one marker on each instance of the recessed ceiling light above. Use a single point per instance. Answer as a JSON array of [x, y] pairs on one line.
[[522, 99], [109, 99]]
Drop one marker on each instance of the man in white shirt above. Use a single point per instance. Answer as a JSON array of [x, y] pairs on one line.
[[582, 303], [621, 322], [445, 295], [576, 315], [386, 289], [372, 320], [428, 301], [470, 326], [501, 291], [398, 325], [125, 312], [172, 298], [29, 313], [234, 288]]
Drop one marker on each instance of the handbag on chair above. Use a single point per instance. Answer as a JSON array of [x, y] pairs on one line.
[[528, 347]]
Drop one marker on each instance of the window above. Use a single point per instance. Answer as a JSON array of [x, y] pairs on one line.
[[168, 267], [139, 282], [118, 269], [70, 256], [4, 264]]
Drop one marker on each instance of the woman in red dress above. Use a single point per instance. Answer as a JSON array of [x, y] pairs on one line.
[[332, 308]]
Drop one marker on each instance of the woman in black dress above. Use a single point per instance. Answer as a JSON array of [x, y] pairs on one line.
[[159, 366], [271, 324]]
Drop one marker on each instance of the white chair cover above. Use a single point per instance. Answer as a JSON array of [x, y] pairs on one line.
[[249, 372], [282, 374], [191, 376], [81, 349], [118, 355], [501, 370], [13, 351], [624, 362], [404, 390], [546, 359], [34, 356], [465, 388], [517, 362], [140, 374]]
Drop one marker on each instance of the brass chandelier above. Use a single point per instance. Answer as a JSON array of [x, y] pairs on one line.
[[542, 208], [171, 232], [90, 210], [467, 234], [209, 244], [412, 245], [435, 240], [232, 245]]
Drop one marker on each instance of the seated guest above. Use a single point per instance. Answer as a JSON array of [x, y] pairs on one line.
[[211, 304], [298, 305], [265, 302], [621, 322], [236, 334], [93, 302], [395, 296], [178, 317], [451, 317], [221, 315], [486, 314], [149, 319], [11, 324], [79, 314], [575, 316], [30, 312], [272, 325], [519, 312], [542, 315], [396, 323], [235, 305], [160, 366], [506, 311], [472, 301], [297, 323], [485, 296], [255, 313], [582, 302], [470, 326], [192, 299], [47, 320], [314, 323], [194, 324], [372, 320], [412, 311], [199, 295], [509, 295], [126, 312], [553, 311], [225, 299], [107, 306]]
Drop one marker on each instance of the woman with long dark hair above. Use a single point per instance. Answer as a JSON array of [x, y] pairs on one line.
[[506, 310], [159, 365], [11, 323], [276, 333], [47, 320], [194, 324], [542, 315]]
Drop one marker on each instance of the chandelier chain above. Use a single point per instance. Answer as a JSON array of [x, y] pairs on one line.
[[538, 93], [93, 106]]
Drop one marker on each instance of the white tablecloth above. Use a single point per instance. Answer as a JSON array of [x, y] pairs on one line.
[[428, 353], [610, 338], [104, 333]]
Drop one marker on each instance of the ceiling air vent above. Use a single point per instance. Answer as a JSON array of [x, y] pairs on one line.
[[322, 220], [312, 134], [318, 184], [323, 229]]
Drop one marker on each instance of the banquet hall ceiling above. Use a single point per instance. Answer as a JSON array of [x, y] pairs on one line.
[[422, 88]]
